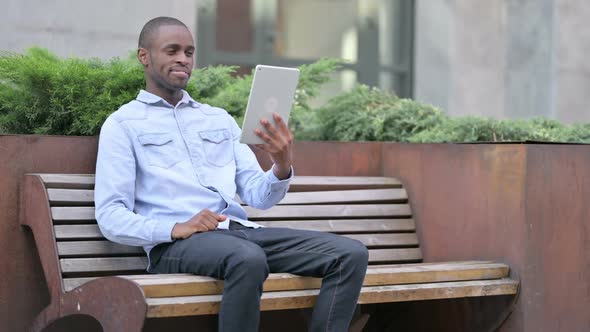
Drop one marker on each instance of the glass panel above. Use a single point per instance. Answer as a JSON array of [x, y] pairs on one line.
[[235, 31], [308, 29], [386, 82], [342, 81]]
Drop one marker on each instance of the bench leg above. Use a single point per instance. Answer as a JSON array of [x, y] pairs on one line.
[[359, 324], [44, 319], [359, 320], [116, 303]]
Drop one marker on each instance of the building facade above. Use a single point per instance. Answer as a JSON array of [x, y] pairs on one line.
[[502, 59]]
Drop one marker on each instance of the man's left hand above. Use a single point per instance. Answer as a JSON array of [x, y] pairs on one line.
[[279, 142]]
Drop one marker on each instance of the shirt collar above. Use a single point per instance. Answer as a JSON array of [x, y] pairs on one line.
[[152, 99]]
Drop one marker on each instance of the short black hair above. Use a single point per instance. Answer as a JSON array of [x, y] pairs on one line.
[[151, 27]]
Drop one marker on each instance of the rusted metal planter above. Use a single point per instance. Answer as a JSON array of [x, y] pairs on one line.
[[522, 204]]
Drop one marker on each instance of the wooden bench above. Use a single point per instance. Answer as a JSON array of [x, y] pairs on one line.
[[86, 274]]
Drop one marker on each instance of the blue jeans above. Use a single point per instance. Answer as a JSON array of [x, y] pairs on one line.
[[243, 258]]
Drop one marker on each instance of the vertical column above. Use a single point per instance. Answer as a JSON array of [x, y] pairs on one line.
[[478, 63], [573, 67], [530, 72], [433, 44], [368, 42]]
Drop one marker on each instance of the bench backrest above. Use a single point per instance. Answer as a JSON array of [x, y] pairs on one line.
[[373, 210]]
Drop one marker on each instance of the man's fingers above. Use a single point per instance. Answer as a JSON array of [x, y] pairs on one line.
[[265, 137], [216, 216], [201, 228], [269, 127], [281, 125], [210, 222]]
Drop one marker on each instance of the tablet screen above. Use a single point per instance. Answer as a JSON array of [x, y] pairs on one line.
[[273, 90]]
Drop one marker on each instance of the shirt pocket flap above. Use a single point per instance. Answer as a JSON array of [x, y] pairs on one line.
[[215, 136], [154, 139]]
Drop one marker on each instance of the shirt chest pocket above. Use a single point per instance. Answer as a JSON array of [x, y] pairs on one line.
[[160, 149], [218, 146]]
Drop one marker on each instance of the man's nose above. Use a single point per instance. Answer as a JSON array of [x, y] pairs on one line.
[[183, 59]]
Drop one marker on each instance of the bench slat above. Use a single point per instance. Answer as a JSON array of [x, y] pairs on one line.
[[106, 248], [170, 285], [106, 264], [86, 197], [74, 181], [114, 264], [187, 285], [277, 212], [71, 231], [319, 183], [299, 183], [385, 240], [77, 232], [347, 225], [92, 232], [95, 248], [209, 304], [72, 213], [330, 211], [73, 282], [70, 197], [346, 196], [394, 255]]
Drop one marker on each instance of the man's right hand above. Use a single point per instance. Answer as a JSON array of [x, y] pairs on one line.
[[204, 221]]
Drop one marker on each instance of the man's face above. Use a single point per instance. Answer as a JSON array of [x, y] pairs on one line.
[[169, 60]]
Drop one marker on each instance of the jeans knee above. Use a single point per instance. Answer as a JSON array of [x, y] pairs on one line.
[[358, 254], [249, 262]]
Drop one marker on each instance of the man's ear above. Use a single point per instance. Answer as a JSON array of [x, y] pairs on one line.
[[143, 56]]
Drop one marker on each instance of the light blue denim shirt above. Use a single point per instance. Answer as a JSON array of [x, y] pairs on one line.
[[159, 165]]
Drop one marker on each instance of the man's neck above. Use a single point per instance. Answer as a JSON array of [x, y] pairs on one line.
[[172, 97]]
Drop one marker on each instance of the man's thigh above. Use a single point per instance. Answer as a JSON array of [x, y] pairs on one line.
[[203, 253], [302, 252]]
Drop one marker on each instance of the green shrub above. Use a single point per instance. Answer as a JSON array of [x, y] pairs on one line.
[[370, 114], [357, 115], [41, 93], [408, 118], [478, 129]]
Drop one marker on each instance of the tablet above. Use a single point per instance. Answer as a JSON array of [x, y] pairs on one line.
[[273, 90]]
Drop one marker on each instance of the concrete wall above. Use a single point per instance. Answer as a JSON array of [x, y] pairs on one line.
[[85, 28], [504, 59]]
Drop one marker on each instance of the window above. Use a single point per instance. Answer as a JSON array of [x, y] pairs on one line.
[[374, 37]]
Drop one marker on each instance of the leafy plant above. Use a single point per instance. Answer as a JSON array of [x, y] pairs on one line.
[[41, 93], [355, 116]]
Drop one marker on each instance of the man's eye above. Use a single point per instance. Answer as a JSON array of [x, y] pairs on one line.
[[170, 52], [189, 53]]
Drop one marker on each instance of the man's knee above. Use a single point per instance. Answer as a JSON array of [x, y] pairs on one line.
[[248, 260], [355, 253]]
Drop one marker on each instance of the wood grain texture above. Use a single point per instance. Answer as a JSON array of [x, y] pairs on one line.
[[60, 196], [157, 285], [209, 304], [299, 183]]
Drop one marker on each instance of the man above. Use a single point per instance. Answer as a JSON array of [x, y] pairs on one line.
[[167, 172]]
